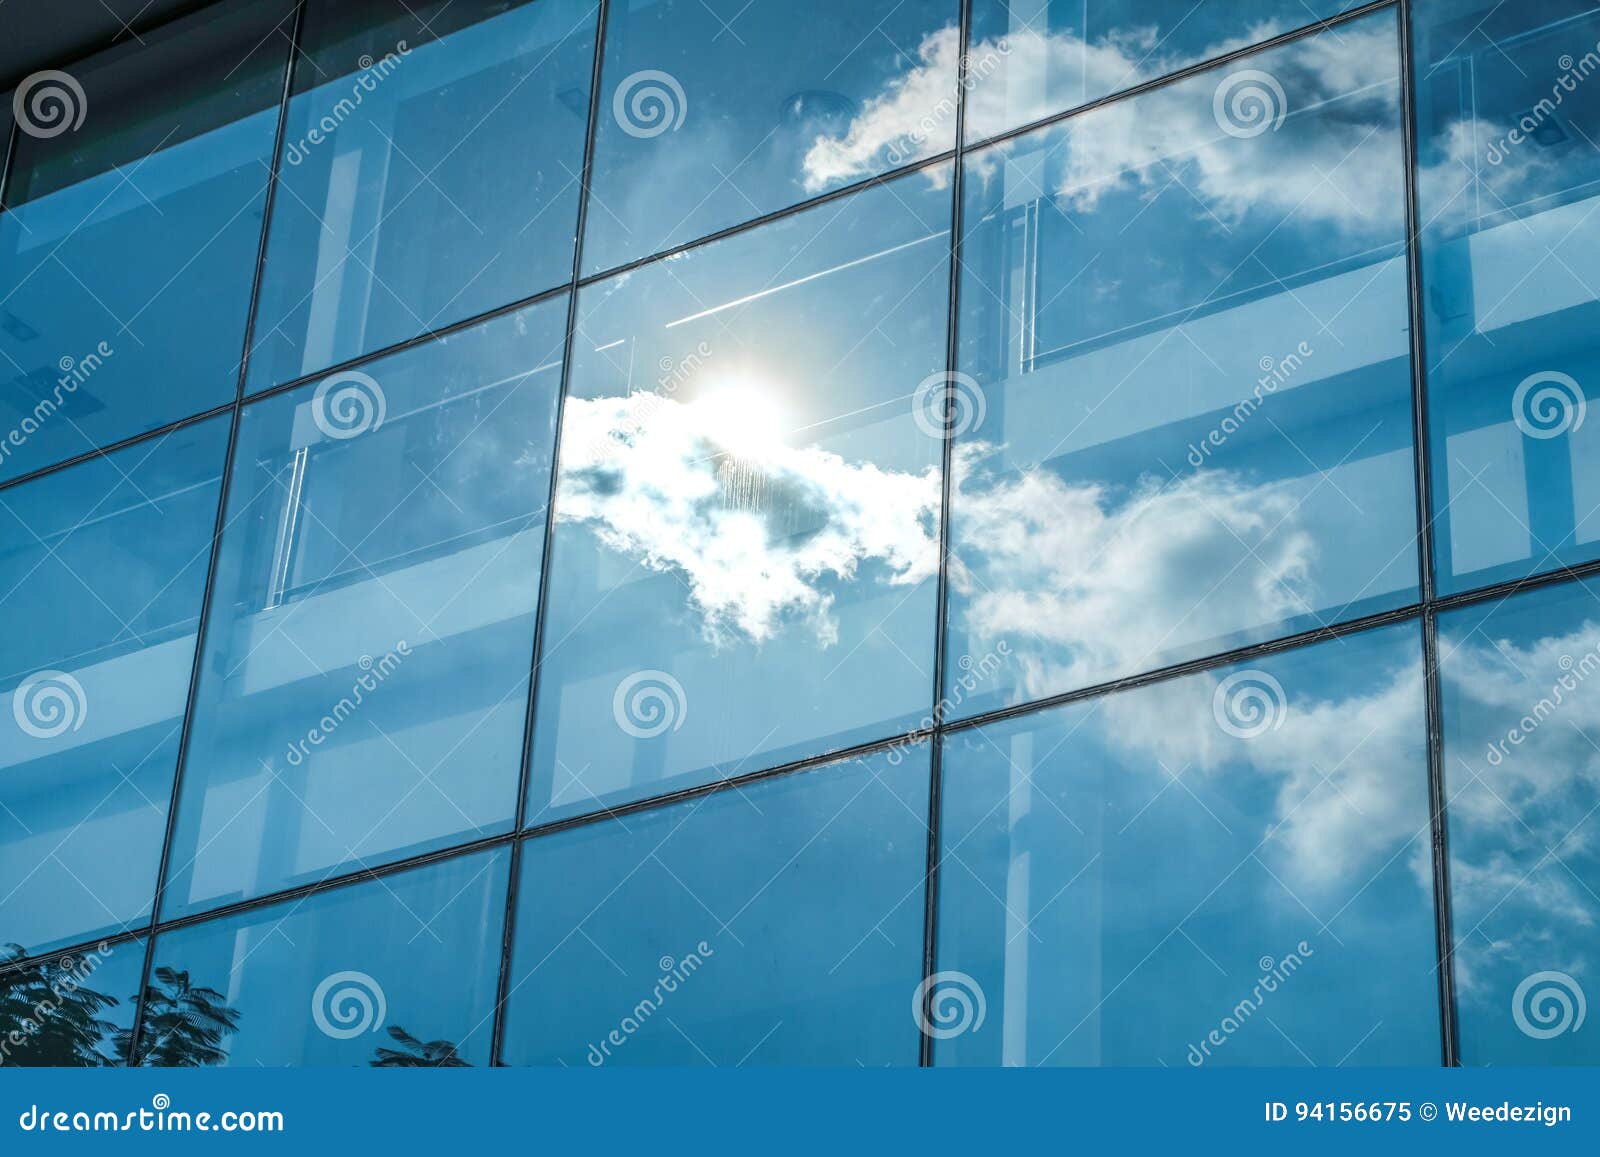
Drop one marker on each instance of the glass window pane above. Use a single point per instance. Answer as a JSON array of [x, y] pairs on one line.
[[714, 112], [1523, 789], [1185, 419], [1030, 59], [1231, 868], [363, 694], [129, 246], [460, 124], [400, 971], [72, 1011], [746, 540], [716, 932], [102, 574], [1506, 130]]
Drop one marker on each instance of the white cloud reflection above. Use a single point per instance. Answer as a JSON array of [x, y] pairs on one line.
[[1080, 578], [1347, 79], [913, 116], [758, 534], [1524, 837]]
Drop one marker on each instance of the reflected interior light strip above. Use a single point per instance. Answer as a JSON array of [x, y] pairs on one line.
[[454, 399], [112, 515], [802, 280]]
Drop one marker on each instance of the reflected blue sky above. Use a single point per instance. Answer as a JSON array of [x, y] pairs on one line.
[[713, 112], [769, 964], [323, 980], [1186, 350], [365, 682], [128, 247], [1184, 425], [747, 511], [1029, 59], [1507, 161], [102, 572], [1522, 780], [464, 125], [1120, 875]]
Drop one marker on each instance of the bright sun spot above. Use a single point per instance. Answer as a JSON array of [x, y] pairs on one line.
[[744, 418]]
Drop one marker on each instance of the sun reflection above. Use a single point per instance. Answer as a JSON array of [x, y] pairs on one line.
[[746, 418]]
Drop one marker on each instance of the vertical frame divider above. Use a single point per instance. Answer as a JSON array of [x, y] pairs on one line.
[[297, 21], [508, 929], [1444, 935], [930, 917]]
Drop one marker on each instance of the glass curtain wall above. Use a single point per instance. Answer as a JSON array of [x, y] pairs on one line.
[[962, 532]]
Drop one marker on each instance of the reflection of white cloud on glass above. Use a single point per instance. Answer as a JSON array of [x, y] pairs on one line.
[[1349, 81], [913, 117], [759, 530], [1101, 580], [762, 531], [1524, 806], [1346, 771]]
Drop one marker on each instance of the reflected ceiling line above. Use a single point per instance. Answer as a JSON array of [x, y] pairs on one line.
[[803, 280]]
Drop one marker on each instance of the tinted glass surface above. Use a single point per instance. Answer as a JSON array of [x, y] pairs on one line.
[[70, 1011], [1185, 417], [364, 687], [1032, 58], [130, 242], [714, 112], [459, 124], [745, 549], [102, 574], [1505, 184], [1230, 868], [1523, 784], [715, 931], [394, 972]]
